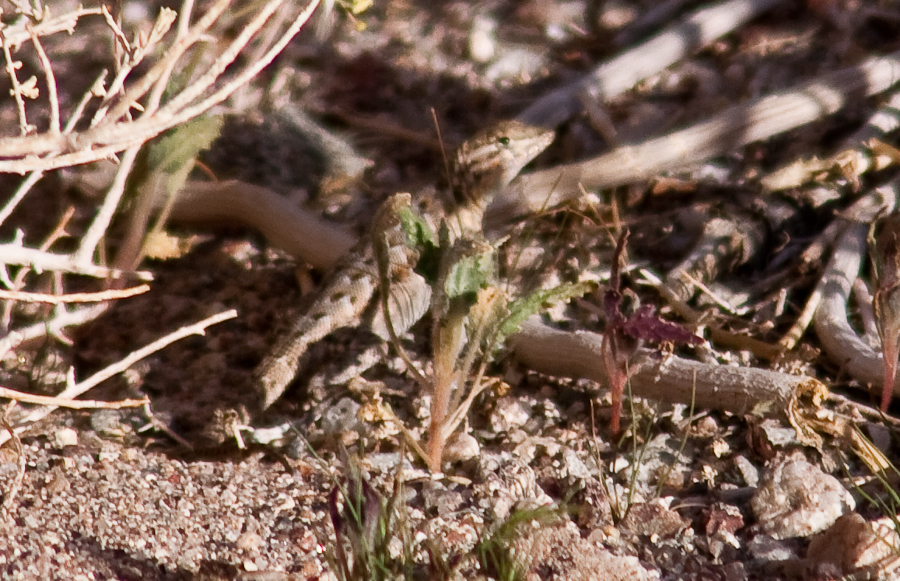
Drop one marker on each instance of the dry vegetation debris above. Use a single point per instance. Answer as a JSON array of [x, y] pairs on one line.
[[746, 145]]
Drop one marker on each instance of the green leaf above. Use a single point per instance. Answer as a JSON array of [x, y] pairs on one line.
[[521, 309], [468, 275], [418, 232], [171, 157]]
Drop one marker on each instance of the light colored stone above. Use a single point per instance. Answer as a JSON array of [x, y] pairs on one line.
[[797, 499]]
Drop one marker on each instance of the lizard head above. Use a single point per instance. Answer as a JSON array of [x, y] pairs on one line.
[[486, 163]]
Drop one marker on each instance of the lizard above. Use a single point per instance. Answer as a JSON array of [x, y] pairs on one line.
[[480, 168]]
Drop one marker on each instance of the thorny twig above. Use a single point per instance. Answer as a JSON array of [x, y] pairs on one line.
[[112, 135], [57, 233]]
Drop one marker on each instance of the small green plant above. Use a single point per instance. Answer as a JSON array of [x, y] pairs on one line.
[[471, 316], [160, 172], [374, 539], [365, 525], [496, 551]]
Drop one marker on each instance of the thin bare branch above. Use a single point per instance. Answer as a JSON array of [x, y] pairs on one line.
[[15, 34], [33, 178], [108, 138], [78, 389], [39, 260], [96, 89], [52, 95], [51, 327], [97, 297], [57, 233], [11, 67], [84, 255], [184, 19], [135, 55], [200, 85], [184, 26], [70, 403], [173, 54]]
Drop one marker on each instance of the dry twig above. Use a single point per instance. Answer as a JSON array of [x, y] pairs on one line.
[[620, 74], [97, 297], [838, 338], [754, 120], [14, 395], [78, 389]]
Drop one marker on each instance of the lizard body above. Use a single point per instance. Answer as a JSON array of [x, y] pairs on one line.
[[481, 167]]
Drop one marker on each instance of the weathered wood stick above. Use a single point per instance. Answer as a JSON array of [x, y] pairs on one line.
[[621, 73], [753, 120], [739, 390]]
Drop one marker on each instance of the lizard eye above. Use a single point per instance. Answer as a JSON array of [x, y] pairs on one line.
[[503, 141]]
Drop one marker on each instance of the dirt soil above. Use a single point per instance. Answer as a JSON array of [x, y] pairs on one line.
[[681, 493]]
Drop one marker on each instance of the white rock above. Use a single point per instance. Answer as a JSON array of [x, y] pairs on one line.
[[797, 499]]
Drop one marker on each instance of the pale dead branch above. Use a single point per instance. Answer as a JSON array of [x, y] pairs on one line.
[[40, 260], [754, 120], [17, 33], [838, 338], [623, 72], [27, 297], [69, 403], [109, 135], [78, 389], [52, 326], [739, 390], [52, 96]]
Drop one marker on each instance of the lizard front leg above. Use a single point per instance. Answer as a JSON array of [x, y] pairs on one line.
[[339, 304], [350, 291]]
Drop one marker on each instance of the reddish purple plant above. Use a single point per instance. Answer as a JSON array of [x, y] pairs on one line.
[[624, 332]]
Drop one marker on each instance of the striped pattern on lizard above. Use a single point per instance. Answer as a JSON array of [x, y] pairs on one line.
[[481, 167]]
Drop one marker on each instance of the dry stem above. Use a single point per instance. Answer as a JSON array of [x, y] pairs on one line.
[[739, 390], [754, 120], [70, 403], [623, 72], [108, 135], [27, 297], [839, 340], [78, 389]]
